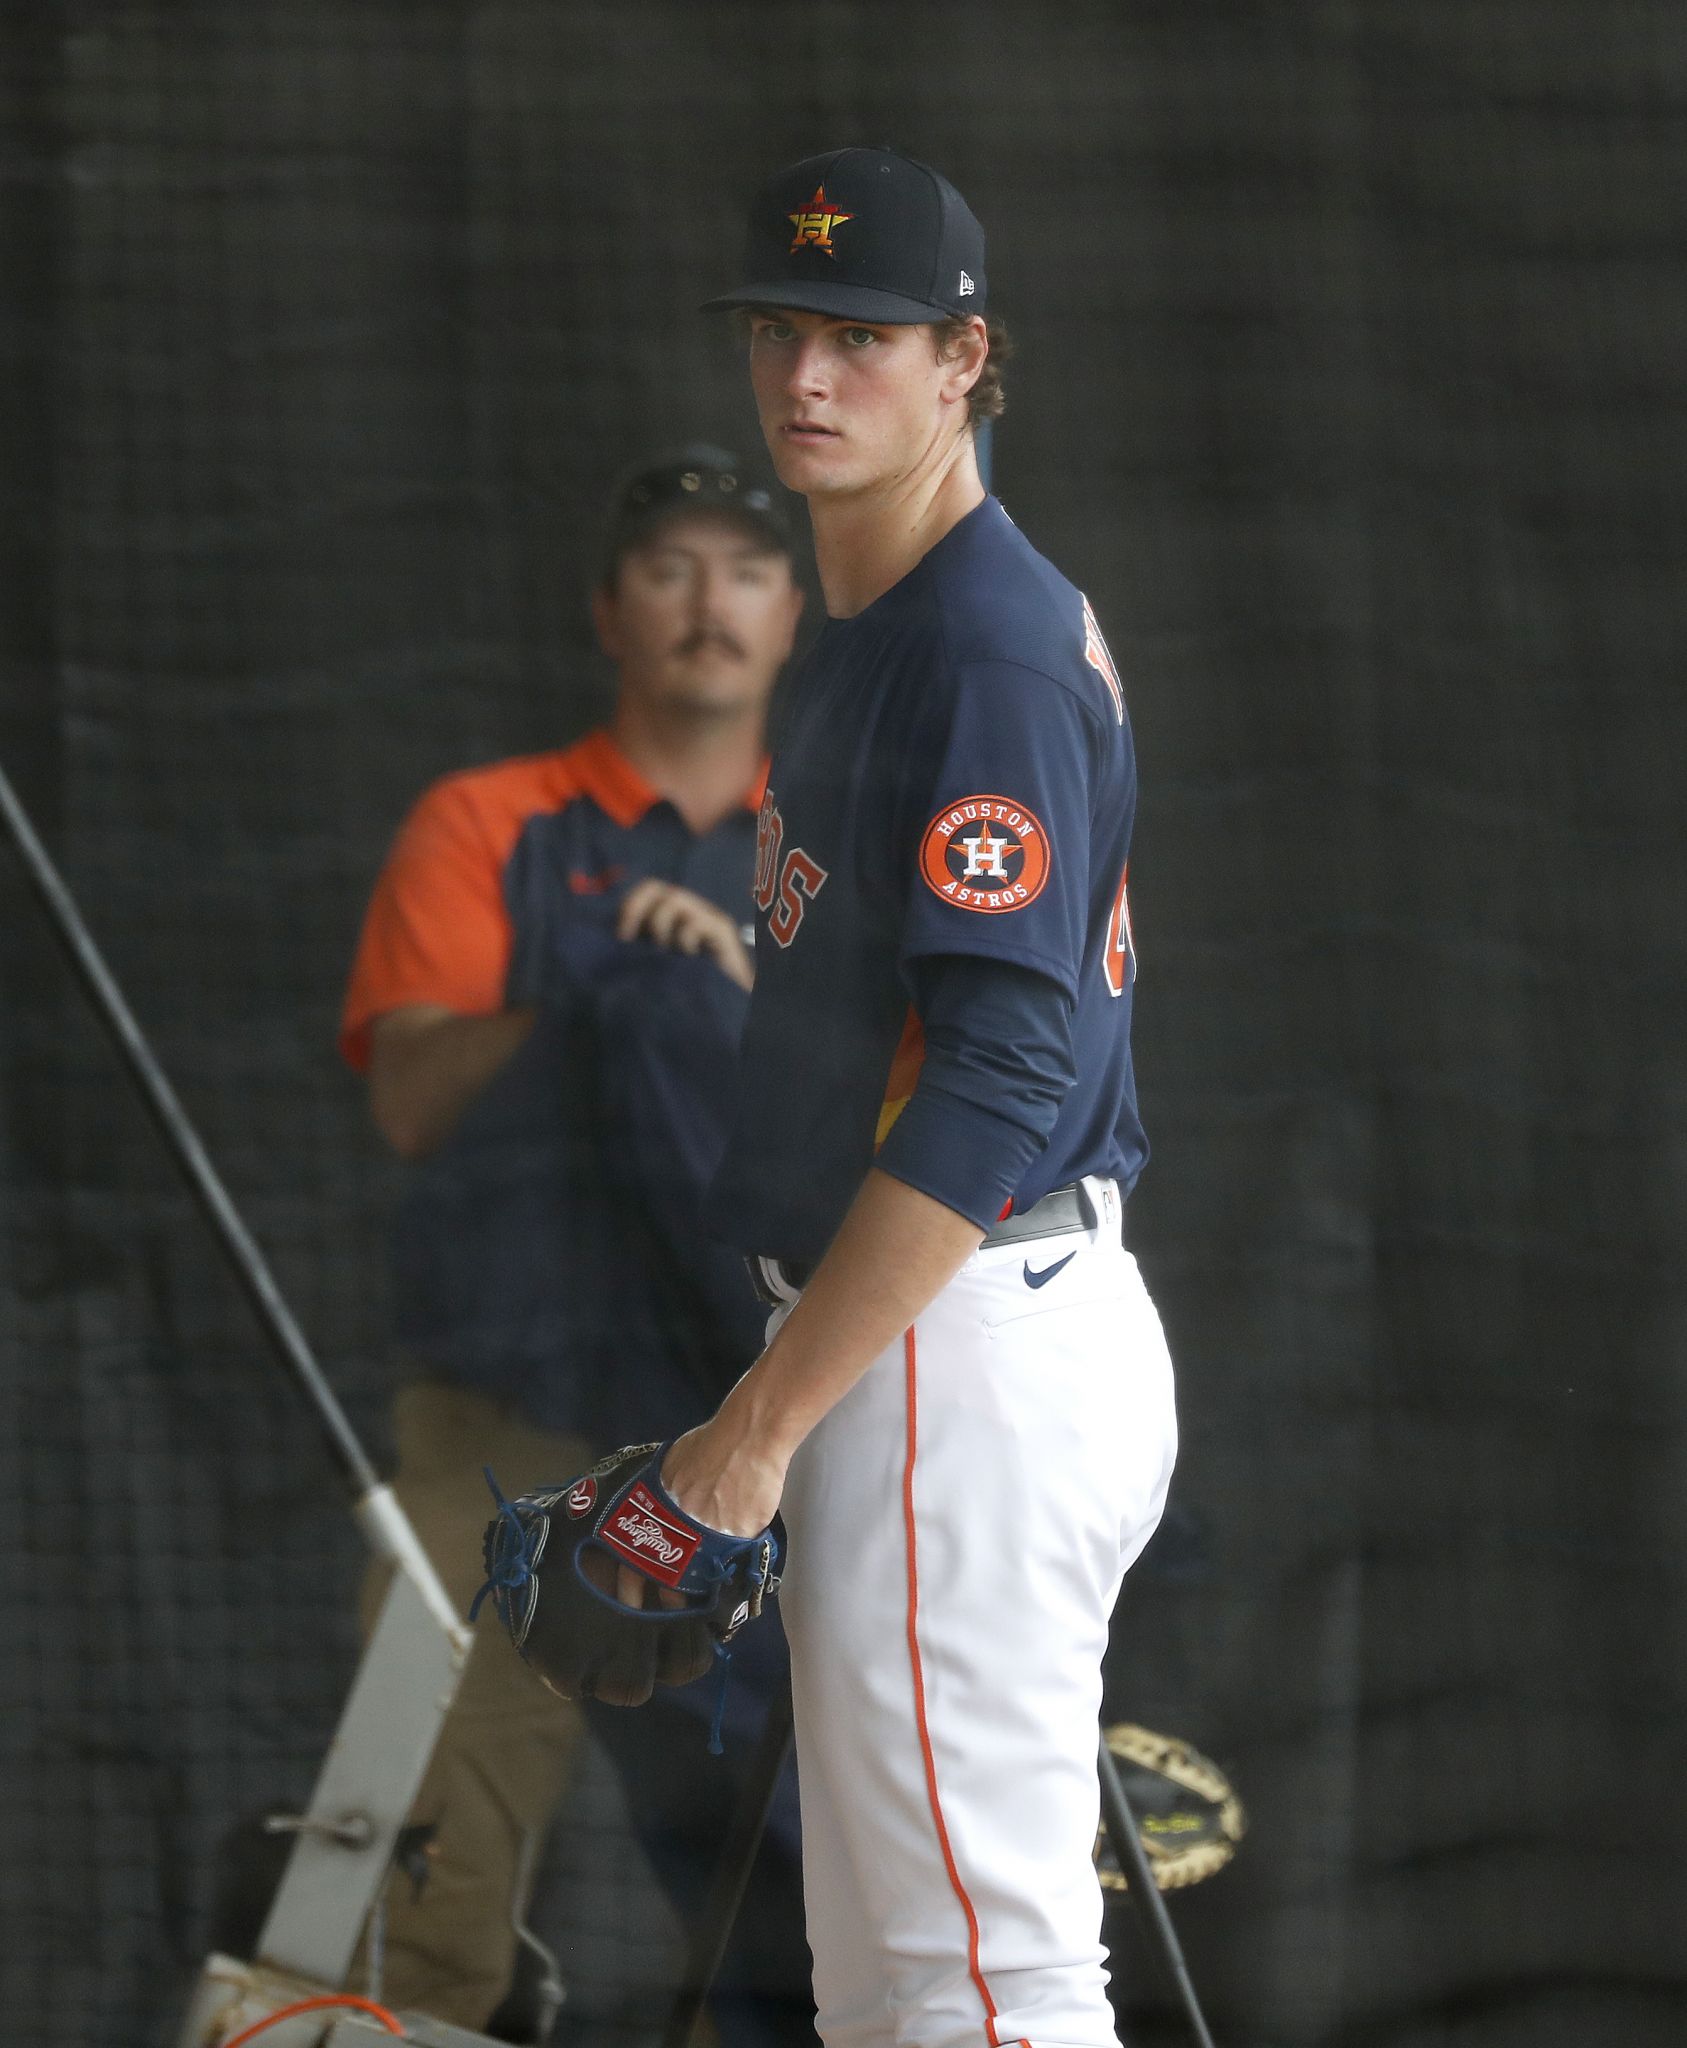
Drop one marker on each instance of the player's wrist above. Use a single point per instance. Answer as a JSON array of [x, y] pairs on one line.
[[755, 1419]]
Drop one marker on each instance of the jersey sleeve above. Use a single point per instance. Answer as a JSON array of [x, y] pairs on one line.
[[437, 929], [1000, 843], [998, 1062]]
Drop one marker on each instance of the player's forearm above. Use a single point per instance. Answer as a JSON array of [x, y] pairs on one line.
[[427, 1064], [896, 1250]]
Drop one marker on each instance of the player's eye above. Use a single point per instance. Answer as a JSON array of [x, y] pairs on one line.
[[765, 329], [859, 337]]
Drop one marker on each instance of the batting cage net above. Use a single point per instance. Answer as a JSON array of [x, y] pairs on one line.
[[1348, 386]]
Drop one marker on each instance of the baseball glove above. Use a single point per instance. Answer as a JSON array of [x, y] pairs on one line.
[[1187, 1814], [551, 1563]]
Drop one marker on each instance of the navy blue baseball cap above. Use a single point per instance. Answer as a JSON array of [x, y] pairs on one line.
[[698, 477], [865, 234]]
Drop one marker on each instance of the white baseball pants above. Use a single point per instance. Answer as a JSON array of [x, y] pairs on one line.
[[959, 1527]]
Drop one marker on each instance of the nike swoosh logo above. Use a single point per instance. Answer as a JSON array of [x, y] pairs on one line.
[[1043, 1278], [582, 884]]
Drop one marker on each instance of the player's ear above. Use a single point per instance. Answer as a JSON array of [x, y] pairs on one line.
[[606, 622], [964, 350]]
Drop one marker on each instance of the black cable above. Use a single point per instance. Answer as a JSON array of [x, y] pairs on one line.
[[731, 1875], [1126, 1838]]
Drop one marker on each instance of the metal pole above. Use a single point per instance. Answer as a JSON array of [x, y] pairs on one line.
[[1145, 1893], [731, 1876], [378, 1514], [182, 1143]]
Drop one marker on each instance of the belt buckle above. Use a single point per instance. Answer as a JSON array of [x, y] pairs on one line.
[[777, 1282]]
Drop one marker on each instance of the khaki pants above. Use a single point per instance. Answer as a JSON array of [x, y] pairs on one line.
[[505, 1753]]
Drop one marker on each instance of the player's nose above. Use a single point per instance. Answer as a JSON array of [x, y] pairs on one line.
[[809, 373]]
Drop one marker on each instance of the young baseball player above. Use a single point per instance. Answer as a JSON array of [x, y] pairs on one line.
[[965, 1404]]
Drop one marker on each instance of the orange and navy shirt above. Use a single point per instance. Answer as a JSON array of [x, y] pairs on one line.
[[465, 881], [528, 1258]]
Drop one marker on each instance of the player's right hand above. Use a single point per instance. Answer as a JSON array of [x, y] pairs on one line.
[[668, 915], [715, 1473]]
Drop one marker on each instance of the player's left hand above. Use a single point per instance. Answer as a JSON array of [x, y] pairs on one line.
[[723, 1478], [685, 922], [631, 1588]]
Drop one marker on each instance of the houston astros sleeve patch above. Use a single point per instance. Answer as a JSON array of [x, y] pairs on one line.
[[986, 853]]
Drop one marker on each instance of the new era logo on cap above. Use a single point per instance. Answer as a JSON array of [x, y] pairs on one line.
[[864, 234]]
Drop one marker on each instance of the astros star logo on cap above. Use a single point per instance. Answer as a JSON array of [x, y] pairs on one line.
[[815, 221]]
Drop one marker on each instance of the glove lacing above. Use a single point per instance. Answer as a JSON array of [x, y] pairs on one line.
[[513, 1553]]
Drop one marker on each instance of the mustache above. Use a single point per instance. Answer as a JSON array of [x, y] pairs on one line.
[[711, 636]]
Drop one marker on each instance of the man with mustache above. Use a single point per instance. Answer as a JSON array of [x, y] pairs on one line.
[[546, 1003]]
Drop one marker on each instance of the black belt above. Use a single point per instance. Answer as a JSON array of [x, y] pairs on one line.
[[1060, 1210]]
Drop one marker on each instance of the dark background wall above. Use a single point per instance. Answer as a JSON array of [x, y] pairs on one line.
[[1349, 388]]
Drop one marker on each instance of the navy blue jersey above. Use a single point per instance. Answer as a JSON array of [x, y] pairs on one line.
[[957, 786]]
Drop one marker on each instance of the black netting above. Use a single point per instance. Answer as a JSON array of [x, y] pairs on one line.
[[1349, 388]]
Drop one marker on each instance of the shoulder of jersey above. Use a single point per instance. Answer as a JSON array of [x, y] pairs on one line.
[[505, 792], [1005, 602]]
